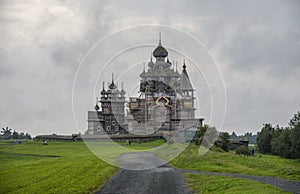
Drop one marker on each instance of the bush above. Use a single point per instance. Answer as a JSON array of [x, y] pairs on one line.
[[243, 151]]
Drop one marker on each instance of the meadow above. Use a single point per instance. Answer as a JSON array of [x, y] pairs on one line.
[[60, 167], [70, 167]]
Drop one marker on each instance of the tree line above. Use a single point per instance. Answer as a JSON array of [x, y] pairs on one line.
[[209, 136], [7, 133], [281, 141]]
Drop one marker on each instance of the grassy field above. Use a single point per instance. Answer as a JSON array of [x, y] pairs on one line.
[[218, 184], [260, 164], [70, 167], [60, 167]]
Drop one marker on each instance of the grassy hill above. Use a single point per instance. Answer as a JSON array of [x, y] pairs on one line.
[[260, 164]]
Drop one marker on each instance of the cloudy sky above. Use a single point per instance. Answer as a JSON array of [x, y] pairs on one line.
[[55, 54]]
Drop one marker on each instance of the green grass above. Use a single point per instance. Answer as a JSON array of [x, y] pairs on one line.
[[170, 151], [260, 164], [110, 151], [219, 184], [27, 167], [143, 146]]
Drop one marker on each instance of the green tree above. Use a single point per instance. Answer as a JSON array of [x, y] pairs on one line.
[[27, 136], [284, 142], [295, 142], [281, 143], [6, 133], [200, 134], [264, 138], [206, 136], [15, 135], [295, 135], [22, 135], [295, 121], [224, 144]]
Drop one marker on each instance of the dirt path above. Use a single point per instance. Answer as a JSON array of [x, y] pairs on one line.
[[156, 176]]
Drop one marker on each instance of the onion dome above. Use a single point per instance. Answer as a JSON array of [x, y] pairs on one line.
[[112, 86], [96, 107], [151, 64], [160, 51], [103, 92], [168, 64]]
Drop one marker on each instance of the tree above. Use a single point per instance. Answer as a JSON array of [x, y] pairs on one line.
[[224, 144], [295, 135], [15, 135], [200, 134], [27, 136], [22, 135], [281, 143], [6, 133], [295, 121], [284, 142], [206, 136], [264, 138], [295, 142], [210, 137]]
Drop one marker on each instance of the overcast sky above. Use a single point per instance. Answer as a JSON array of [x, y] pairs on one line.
[[255, 45]]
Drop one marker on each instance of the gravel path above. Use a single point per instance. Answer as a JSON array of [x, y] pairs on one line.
[[154, 175], [162, 179]]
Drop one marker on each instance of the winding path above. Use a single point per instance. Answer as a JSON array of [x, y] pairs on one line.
[[144, 172]]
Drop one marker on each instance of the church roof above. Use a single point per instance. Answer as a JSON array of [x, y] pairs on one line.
[[112, 86], [160, 51], [96, 107], [185, 83], [151, 64], [103, 92]]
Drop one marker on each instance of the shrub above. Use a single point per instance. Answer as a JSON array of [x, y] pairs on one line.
[[243, 151]]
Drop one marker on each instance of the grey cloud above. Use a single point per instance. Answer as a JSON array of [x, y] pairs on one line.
[[256, 44]]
